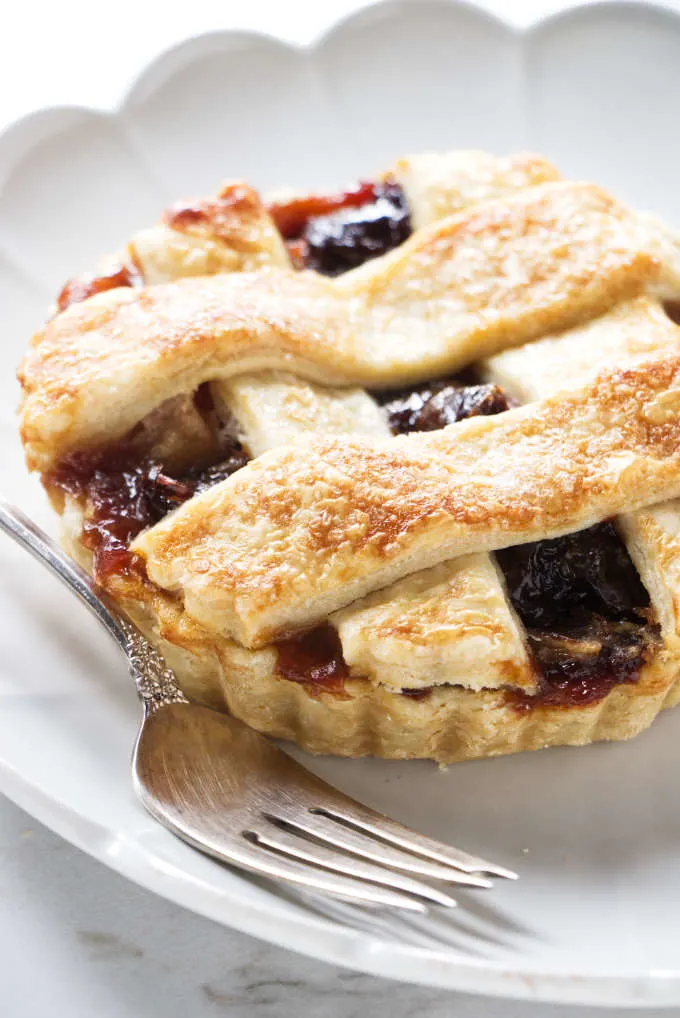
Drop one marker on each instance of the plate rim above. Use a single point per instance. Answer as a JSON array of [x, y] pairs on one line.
[[349, 948], [139, 863]]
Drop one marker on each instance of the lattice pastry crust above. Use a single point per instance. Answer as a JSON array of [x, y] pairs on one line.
[[552, 288]]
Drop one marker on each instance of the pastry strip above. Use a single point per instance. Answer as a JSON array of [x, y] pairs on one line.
[[631, 333], [450, 624], [500, 274], [301, 532]]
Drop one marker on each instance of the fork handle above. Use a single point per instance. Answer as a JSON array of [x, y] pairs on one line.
[[155, 683], [29, 535]]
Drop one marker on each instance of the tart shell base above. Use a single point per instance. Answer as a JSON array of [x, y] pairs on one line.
[[448, 725]]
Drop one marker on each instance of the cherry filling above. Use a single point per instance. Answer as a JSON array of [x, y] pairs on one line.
[[586, 612], [435, 405], [292, 216], [125, 494], [79, 289], [314, 658], [332, 234], [328, 233]]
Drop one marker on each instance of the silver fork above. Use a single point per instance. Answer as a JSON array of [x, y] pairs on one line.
[[234, 795]]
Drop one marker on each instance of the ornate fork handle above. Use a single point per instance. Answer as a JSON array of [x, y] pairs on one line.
[[231, 793], [155, 683]]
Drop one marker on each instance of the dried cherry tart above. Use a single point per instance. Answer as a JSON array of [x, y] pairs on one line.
[[515, 287], [587, 615]]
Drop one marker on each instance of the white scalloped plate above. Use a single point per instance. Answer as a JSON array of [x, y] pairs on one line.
[[594, 832]]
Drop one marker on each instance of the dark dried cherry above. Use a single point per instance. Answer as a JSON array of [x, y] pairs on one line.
[[125, 496], [346, 239], [586, 571], [435, 405], [586, 612]]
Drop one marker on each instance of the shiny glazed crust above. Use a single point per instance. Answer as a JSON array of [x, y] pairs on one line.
[[548, 258]]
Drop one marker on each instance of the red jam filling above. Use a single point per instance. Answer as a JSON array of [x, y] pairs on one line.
[[334, 233], [292, 216], [79, 289], [580, 670], [314, 658], [117, 505], [124, 494]]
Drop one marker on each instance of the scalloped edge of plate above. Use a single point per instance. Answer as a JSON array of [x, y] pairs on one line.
[[319, 938]]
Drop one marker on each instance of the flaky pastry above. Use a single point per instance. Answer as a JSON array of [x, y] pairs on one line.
[[390, 471]]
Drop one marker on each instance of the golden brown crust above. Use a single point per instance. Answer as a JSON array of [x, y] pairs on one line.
[[232, 232], [299, 533], [449, 625], [483, 281], [633, 331], [448, 725], [652, 536], [442, 184], [276, 409], [465, 287]]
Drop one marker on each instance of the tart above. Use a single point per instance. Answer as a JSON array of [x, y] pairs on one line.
[[388, 471]]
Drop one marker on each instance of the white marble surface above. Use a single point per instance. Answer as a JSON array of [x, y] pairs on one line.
[[76, 940]]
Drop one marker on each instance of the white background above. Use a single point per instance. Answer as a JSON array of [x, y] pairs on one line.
[[76, 52], [75, 939]]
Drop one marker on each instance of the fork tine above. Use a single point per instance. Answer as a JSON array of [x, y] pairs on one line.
[[332, 833], [210, 779], [261, 859], [367, 820], [292, 846]]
